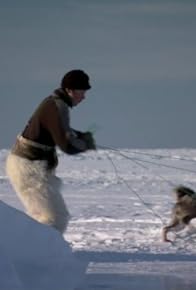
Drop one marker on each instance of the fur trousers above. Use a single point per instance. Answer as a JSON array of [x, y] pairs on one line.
[[39, 191]]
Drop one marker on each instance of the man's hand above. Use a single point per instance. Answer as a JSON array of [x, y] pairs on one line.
[[87, 137]]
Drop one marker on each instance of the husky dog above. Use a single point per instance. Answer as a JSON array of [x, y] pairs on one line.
[[183, 211]]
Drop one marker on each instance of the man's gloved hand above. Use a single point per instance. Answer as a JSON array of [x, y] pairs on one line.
[[87, 137]]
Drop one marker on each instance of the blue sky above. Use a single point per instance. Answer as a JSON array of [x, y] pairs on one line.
[[140, 56]]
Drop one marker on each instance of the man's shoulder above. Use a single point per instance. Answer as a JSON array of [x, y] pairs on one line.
[[47, 104], [53, 102]]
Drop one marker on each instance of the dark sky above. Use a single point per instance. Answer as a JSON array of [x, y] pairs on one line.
[[140, 56]]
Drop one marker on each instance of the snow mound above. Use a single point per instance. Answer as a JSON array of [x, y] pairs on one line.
[[35, 256]]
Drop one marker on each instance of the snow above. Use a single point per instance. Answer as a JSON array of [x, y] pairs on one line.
[[119, 200], [33, 255]]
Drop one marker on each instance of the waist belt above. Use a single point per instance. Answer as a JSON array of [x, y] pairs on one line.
[[32, 150], [25, 141]]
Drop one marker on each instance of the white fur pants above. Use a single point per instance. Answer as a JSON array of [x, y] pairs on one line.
[[38, 190]]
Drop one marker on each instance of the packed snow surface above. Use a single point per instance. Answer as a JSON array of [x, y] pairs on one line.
[[119, 200]]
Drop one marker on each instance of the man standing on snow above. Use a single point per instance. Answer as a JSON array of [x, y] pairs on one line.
[[32, 161]]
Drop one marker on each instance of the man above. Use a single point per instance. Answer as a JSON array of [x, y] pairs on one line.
[[32, 161]]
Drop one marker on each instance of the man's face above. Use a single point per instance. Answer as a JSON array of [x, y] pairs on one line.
[[76, 95]]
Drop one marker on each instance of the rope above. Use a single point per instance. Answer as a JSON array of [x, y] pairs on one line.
[[146, 161], [163, 156], [133, 190], [138, 162]]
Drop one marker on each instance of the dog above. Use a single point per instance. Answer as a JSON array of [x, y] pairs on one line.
[[183, 211]]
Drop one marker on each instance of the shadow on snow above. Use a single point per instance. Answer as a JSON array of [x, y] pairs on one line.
[[138, 271]]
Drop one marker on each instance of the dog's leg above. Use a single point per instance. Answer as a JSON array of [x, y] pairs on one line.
[[175, 222]]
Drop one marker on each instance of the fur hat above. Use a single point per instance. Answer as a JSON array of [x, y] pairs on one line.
[[75, 80]]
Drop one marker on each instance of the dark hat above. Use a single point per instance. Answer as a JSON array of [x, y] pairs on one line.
[[75, 80]]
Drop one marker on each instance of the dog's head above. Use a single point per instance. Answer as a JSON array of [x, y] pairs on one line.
[[182, 191]]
